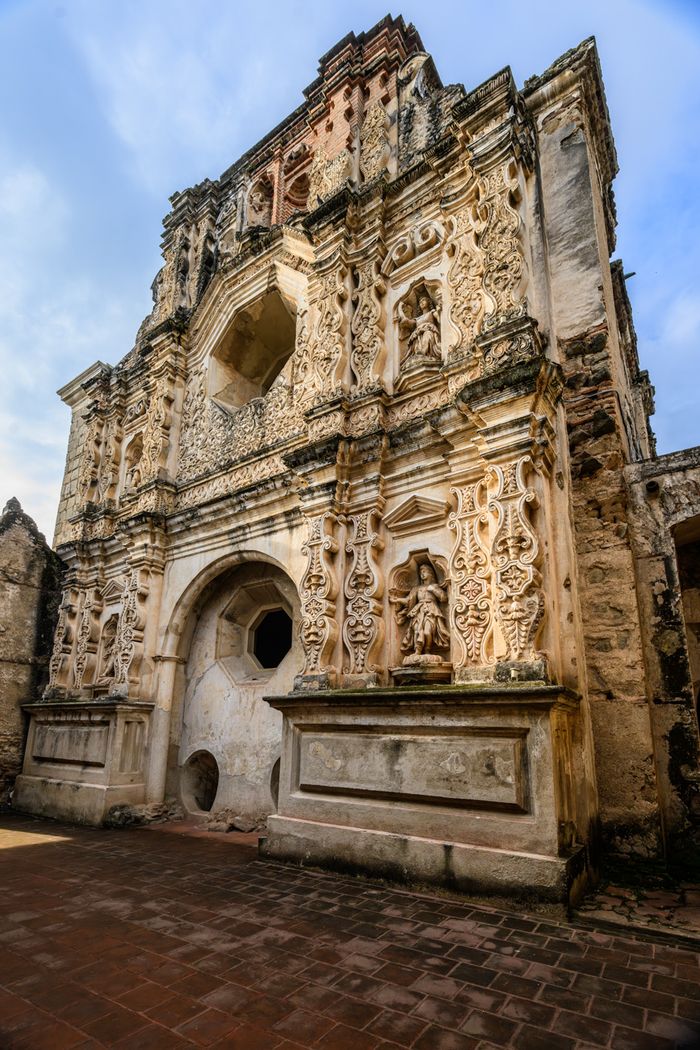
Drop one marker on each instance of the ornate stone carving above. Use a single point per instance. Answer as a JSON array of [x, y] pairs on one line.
[[514, 552], [464, 279], [89, 470], [419, 601], [514, 342], [156, 430], [130, 628], [470, 574], [319, 630], [498, 233], [64, 637], [363, 627], [374, 142], [211, 436], [418, 314], [86, 638], [260, 203], [367, 326], [329, 332], [327, 177], [420, 238], [108, 641]]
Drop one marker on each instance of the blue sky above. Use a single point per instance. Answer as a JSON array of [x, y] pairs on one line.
[[109, 107]]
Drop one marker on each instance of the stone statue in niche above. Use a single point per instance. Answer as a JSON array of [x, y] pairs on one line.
[[134, 453], [260, 204], [419, 328], [109, 642], [420, 598]]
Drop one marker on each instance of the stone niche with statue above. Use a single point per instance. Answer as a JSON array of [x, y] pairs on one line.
[[337, 523]]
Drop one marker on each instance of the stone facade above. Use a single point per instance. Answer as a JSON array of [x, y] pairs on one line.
[[30, 593], [357, 532]]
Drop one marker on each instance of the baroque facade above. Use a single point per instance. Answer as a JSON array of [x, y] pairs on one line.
[[366, 535]]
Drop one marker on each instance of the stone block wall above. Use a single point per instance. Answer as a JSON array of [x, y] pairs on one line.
[[30, 591]]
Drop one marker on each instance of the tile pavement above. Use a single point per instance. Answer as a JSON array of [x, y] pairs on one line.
[[153, 938]]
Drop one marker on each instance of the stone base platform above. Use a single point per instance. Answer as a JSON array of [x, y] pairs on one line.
[[82, 758], [480, 789]]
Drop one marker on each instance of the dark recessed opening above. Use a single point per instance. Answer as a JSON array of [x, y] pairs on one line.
[[272, 638], [202, 779]]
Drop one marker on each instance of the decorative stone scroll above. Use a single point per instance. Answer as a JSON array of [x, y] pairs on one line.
[[499, 228], [464, 280], [87, 637], [328, 341], [64, 637], [367, 325], [319, 630], [363, 628], [470, 573], [421, 238], [515, 551], [374, 142], [156, 430], [130, 630], [89, 470]]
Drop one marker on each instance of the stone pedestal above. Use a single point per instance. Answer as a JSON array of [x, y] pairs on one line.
[[82, 758], [477, 788]]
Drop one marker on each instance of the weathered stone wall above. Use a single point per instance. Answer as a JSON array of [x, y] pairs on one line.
[[30, 590], [606, 426], [664, 516]]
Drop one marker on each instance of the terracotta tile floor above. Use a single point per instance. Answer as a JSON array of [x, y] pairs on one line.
[[157, 938]]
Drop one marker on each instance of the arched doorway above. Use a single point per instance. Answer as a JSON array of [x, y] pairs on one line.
[[241, 646]]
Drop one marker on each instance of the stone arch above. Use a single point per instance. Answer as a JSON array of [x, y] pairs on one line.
[[217, 699]]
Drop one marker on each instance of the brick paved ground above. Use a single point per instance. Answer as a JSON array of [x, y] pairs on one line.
[[149, 939]]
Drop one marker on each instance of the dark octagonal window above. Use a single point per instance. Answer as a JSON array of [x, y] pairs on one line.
[[272, 638]]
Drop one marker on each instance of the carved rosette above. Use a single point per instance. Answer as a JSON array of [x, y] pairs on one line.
[[499, 229], [374, 142], [470, 574], [363, 628], [464, 279], [130, 628], [367, 325], [329, 332], [514, 554], [319, 630]]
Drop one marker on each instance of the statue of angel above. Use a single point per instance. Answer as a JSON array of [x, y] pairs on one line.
[[421, 609]]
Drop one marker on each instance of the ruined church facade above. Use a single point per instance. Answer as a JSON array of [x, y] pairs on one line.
[[366, 536]]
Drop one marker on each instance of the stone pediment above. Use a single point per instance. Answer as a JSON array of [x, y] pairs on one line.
[[416, 514], [112, 591]]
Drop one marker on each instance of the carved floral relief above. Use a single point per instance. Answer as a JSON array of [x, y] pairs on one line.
[[319, 629], [519, 601], [367, 326], [374, 142], [363, 627], [470, 573]]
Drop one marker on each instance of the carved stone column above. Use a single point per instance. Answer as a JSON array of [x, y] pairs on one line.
[[319, 588], [363, 627], [471, 608], [515, 552], [367, 327]]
